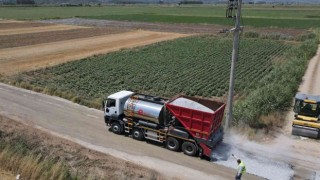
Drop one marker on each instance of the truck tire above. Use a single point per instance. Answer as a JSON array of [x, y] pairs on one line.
[[116, 128], [189, 148], [137, 134], [172, 144]]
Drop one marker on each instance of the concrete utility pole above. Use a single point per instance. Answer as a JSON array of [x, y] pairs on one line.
[[235, 53]]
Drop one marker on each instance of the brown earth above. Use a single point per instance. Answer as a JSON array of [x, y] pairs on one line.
[[13, 60], [11, 21], [12, 25], [8, 41], [26, 30], [166, 27], [87, 164]]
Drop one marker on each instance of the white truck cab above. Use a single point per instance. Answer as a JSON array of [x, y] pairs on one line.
[[114, 105]]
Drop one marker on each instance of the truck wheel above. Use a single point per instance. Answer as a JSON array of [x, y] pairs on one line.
[[116, 128], [137, 134], [173, 144], [189, 148]]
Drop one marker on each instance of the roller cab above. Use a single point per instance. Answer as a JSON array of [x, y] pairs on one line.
[[307, 116]]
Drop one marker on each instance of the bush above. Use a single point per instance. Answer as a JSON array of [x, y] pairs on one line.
[[251, 34]]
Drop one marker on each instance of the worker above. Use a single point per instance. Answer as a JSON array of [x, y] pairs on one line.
[[241, 168]]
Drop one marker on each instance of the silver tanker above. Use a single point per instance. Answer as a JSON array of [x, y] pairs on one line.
[[146, 109]]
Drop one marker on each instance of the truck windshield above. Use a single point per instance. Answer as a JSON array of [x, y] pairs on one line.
[[111, 103], [307, 109]]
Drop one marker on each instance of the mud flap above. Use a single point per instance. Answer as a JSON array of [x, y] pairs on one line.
[[305, 131]]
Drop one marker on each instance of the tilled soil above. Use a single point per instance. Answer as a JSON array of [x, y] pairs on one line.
[[164, 27], [8, 41], [18, 59], [81, 161], [25, 30], [20, 24]]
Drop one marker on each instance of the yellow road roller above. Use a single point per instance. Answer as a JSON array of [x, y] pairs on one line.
[[307, 116]]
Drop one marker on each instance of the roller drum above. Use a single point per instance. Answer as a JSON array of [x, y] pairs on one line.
[[305, 131]]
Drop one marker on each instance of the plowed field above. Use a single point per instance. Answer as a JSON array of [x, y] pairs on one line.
[[28, 46]]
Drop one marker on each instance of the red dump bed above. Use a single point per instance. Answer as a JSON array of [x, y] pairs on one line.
[[200, 124]]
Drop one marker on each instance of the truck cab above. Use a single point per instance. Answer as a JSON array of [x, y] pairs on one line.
[[114, 105]]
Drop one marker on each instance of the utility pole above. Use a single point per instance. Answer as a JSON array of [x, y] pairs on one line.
[[235, 52]]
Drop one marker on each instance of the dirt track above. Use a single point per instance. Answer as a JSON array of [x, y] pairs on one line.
[[13, 60], [311, 80]]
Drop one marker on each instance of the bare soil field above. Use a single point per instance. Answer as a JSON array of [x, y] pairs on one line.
[[83, 163], [20, 24], [31, 45], [26, 30], [9, 41], [13, 60], [163, 27], [11, 21]]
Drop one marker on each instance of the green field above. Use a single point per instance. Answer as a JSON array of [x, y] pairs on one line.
[[192, 66], [255, 16], [268, 73]]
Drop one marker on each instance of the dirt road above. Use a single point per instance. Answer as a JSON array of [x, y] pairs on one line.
[[86, 127], [13, 60], [311, 80]]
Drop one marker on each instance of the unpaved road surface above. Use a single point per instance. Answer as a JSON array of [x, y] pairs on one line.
[[86, 127], [311, 80], [17, 59]]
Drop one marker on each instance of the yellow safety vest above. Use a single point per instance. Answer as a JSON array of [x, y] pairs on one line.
[[243, 166]]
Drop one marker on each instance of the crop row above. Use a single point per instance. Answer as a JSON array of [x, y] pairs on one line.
[[197, 65]]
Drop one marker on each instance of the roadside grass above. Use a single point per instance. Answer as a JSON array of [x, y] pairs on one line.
[[255, 16], [37, 155], [19, 156]]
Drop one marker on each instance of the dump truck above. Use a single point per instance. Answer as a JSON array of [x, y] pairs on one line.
[[307, 116], [183, 123]]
